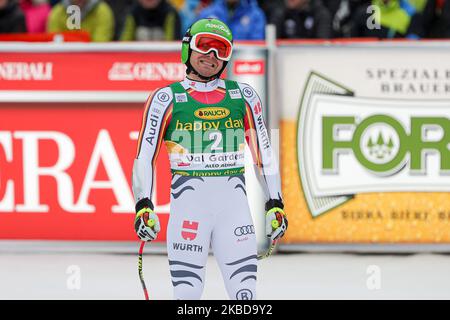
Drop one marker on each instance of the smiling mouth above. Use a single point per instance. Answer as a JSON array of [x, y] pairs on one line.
[[208, 63]]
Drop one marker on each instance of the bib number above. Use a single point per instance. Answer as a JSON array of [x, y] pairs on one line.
[[216, 137]]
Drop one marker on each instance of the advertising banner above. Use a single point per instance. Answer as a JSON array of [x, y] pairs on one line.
[[69, 116], [365, 143], [89, 71], [66, 172]]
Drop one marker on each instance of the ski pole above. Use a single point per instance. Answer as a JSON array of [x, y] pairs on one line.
[[273, 244], [141, 274], [151, 224], [269, 251]]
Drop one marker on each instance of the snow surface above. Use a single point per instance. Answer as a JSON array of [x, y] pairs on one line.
[[46, 275]]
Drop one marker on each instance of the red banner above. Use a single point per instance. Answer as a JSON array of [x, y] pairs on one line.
[[65, 172], [65, 168], [90, 71]]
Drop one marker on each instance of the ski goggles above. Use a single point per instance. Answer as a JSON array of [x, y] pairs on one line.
[[206, 42]]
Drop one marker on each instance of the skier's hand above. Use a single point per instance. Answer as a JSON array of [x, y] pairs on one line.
[[146, 224], [276, 220]]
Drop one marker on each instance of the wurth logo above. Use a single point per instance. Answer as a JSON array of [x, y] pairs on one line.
[[264, 137], [189, 230], [187, 247], [19, 71], [257, 109], [153, 71]]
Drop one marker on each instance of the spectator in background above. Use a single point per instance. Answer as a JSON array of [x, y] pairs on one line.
[[189, 13], [441, 29], [341, 12], [431, 14], [96, 18], [244, 17], [12, 19], [177, 4], [120, 9], [445, 16], [152, 20], [396, 19], [437, 19], [302, 19], [270, 6], [36, 14]]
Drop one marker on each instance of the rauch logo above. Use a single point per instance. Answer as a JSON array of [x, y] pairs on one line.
[[212, 113]]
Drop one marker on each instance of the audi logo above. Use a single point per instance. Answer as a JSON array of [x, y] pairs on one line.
[[242, 231]]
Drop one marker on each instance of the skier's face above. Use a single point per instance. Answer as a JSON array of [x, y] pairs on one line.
[[206, 64]]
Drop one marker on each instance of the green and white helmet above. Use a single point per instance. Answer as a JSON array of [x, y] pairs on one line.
[[212, 29]]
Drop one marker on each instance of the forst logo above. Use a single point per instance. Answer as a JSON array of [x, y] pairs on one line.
[[212, 113], [349, 145], [382, 145]]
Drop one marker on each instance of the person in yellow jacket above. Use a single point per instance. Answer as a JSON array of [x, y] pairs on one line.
[[96, 18]]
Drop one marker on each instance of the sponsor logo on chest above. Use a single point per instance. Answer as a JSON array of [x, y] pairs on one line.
[[180, 97], [235, 94], [212, 113]]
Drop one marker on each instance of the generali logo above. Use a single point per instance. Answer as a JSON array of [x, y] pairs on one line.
[[32, 71], [254, 67], [103, 154], [350, 145], [146, 71]]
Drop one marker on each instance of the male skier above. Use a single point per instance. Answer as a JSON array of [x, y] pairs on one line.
[[204, 122]]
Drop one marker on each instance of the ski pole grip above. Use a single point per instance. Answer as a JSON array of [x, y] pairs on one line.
[[275, 224], [151, 223]]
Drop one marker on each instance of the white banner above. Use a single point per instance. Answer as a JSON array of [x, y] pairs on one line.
[[359, 145], [365, 142]]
